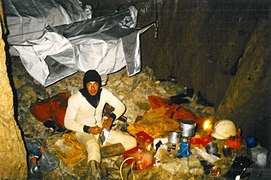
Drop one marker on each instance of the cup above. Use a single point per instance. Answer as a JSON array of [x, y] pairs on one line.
[[211, 148], [173, 137]]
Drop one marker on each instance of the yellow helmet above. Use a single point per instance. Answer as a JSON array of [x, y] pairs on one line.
[[223, 129]]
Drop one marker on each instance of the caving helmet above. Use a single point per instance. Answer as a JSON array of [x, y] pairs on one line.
[[224, 129]]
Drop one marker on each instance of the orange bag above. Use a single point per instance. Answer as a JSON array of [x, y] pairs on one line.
[[157, 102], [234, 142], [176, 112], [52, 109]]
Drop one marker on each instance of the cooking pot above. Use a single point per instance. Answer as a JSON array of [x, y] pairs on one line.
[[187, 128]]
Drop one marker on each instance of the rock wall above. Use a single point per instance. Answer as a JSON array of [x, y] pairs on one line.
[[12, 150], [247, 98]]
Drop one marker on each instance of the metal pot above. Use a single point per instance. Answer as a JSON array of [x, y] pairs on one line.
[[187, 128]]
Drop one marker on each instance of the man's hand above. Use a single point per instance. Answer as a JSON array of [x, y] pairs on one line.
[[107, 123], [95, 130]]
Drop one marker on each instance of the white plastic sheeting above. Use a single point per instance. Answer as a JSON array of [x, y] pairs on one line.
[[26, 19], [33, 54], [106, 44]]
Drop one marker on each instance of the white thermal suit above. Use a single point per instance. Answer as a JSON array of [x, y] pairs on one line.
[[80, 113]]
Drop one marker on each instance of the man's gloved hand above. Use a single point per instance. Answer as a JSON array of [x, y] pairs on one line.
[[95, 130], [107, 123]]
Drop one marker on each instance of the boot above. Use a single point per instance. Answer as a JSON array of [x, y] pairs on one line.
[[94, 170], [112, 150]]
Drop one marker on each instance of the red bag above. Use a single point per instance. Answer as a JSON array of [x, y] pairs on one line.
[[52, 109]]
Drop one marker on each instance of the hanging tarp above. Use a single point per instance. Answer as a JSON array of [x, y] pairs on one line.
[[26, 19], [106, 44]]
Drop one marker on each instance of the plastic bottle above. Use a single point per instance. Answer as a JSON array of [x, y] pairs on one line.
[[47, 161], [34, 170]]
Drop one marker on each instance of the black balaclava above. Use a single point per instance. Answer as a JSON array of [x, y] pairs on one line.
[[92, 75]]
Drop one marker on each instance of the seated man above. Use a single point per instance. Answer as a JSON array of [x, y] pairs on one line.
[[84, 115]]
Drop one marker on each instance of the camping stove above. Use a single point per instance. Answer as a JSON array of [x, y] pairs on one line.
[[187, 128], [184, 149]]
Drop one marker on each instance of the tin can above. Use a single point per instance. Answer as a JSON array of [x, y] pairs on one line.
[[169, 147], [173, 147]]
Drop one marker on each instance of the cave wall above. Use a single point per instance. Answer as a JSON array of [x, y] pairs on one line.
[[220, 48], [247, 98], [13, 163], [200, 42]]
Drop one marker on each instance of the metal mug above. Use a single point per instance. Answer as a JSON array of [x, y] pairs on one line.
[[173, 137], [211, 148]]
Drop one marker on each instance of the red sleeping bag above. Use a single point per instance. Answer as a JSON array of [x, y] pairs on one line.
[[52, 109]]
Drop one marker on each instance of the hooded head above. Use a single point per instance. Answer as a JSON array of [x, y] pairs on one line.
[[92, 77]]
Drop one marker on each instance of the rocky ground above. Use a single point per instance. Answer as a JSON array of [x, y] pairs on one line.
[[134, 92]]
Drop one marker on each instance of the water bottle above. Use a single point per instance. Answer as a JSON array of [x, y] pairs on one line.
[[34, 170], [47, 161]]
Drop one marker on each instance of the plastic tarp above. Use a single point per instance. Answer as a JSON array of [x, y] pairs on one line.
[[26, 19], [106, 44]]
